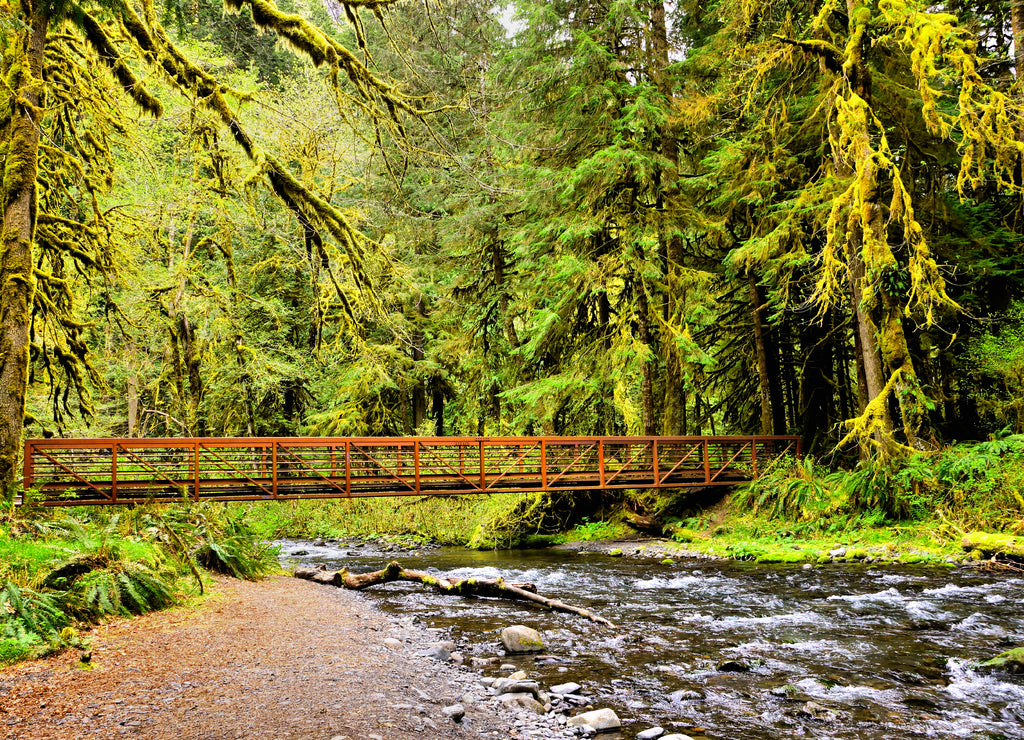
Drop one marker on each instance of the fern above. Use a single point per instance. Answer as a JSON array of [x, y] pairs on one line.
[[23, 610]]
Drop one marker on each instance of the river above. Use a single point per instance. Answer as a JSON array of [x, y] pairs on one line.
[[843, 651]]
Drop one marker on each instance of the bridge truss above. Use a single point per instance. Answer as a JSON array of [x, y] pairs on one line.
[[73, 472]]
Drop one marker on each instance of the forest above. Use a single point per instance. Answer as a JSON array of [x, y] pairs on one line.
[[631, 217], [580, 217]]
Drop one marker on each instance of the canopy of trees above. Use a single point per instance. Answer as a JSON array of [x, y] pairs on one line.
[[633, 217]]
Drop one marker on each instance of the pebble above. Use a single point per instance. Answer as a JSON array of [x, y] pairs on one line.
[[566, 688], [455, 712], [651, 733]]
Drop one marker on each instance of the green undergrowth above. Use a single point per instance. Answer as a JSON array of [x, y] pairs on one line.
[[745, 537], [447, 520], [915, 509], [61, 571]]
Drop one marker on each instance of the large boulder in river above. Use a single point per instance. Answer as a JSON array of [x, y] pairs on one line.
[[521, 639]]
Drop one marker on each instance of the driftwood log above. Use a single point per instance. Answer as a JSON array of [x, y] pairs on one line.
[[496, 587]]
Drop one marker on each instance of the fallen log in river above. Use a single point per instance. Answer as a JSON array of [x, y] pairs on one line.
[[494, 587]]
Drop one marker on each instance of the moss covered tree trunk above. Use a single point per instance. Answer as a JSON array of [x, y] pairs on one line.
[[20, 113]]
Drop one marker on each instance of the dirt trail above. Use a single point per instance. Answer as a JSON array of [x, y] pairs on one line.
[[280, 659]]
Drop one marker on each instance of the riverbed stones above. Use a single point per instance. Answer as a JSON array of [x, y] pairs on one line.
[[677, 697], [599, 720], [518, 676], [566, 688], [675, 736], [733, 666], [441, 651], [392, 642], [650, 734], [455, 712], [522, 699], [521, 639]]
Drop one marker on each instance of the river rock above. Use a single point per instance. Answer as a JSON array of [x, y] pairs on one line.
[[815, 711], [524, 700], [566, 688], [1011, 661], [439, 650], [676, 736], [599, 720], [839, 552], [650, 734], [518, 676], [733, 666], [455, 712], [521, 639], [994, 544], [482, 662], [392, 642], [682, 695]]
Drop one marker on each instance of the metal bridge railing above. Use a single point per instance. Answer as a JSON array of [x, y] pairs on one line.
[[120, 471]]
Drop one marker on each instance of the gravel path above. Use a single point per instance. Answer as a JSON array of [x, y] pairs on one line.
[[279, 659]]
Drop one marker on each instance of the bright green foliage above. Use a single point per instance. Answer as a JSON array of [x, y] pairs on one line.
[[60, 570], [115, 588], [27, 619], [974, 485], [996, 369]]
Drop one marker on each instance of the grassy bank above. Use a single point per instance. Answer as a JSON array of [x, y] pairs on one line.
[[62, 571]]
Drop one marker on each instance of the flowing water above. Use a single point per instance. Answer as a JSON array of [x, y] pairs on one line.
[[834, 652]]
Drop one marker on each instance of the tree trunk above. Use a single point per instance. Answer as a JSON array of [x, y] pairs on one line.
[[1017, 25], [463, 587], [18, 198], [647, 379], [419, 391], [815, 411], [761, 352], [132, 391], [674, 410]]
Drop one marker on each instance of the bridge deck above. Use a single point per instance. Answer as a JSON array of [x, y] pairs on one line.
[[72, 472]]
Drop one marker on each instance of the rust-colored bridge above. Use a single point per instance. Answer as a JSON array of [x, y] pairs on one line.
[[72, 472]]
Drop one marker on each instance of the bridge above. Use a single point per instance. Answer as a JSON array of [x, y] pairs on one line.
[[75, 472]]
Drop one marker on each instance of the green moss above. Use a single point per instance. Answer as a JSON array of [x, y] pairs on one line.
[[993, 544], [684, 535], [668, 561], [788, 556], [1011, 660], [616, 553]]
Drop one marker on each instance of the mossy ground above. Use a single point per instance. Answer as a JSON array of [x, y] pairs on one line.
[[744, 537]]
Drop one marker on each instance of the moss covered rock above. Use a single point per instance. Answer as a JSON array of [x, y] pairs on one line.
[[1011, 661], [521, 639], [994, 544]]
